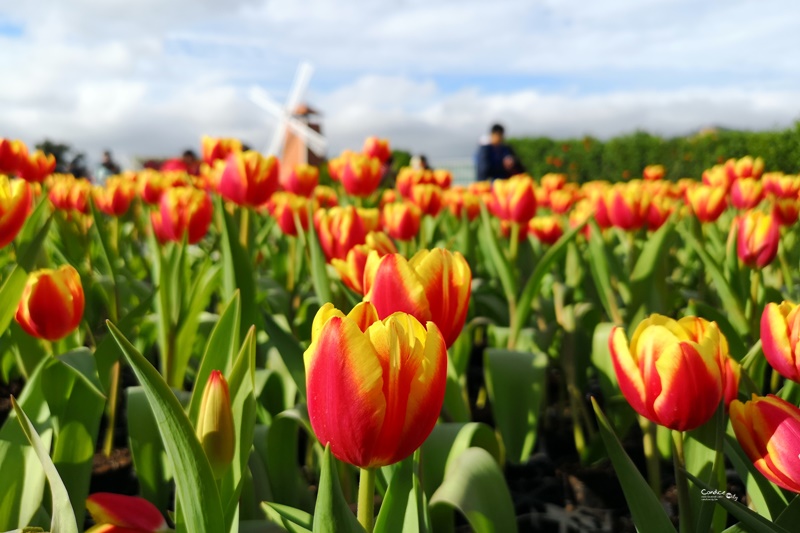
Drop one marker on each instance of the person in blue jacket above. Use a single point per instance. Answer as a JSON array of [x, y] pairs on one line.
[[497, 160]]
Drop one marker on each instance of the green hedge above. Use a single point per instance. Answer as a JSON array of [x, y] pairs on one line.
[[626, 156]]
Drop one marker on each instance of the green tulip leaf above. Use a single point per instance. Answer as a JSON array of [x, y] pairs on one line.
[[201, 510], [332, 514], [290, 351], [292, 520]]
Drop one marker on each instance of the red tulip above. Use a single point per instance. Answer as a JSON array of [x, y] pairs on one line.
[[758, 238], [249, 178], [707, 202], [36, 167], [361, 175], [401, 220], [284, 207], [52, 303], [653, 172], [433, 285], [15, 204], [351, 269], [513, 199], [375, 387], [125, 514], [377, 148], [746, 193], [428, 198], [302, 180], [184, 211], [547, 229], [218, 149], [13, 156]]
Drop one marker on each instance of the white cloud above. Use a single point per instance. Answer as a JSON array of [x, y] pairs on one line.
[[150, 77]]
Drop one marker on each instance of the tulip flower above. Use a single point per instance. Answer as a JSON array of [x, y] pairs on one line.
[[52, 303], [116, 513], [351, 269], [284, 206], [582, 211], [115, 196], [443, 178], [215, 424], [15, 204], [696, 327], [628, 206], [780, 185], [458, 201], [36, 167], [325, 196], [401, 220], [547, 229], [428, 198], [249, 178], [374, 387], [767, 430], [216, 149], [746, 193], [361, 175], [659, 211], [552, 182], [707, 202], [301, 180], [388, 196], [153, 183], [406, 178], [433, 285], [479, 188], [184, 211], [717, 177], [653, 172], [377, 148], [561, 200], [786, 210], [339, 229], [758, 238], [13, 156], [780, 338], [746, 167], [667, 374], [513, 199], [336, 165]]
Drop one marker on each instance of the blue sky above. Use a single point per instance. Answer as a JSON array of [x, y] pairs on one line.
[[150, 77]]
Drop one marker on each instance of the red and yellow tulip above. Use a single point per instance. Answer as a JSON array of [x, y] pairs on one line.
[[547, 229], [15, 204], [325, 196], [653, 172], [375, 387], [669, 374], [13, 156], [377, 148], [746, 167], [401, 220], [52, 303], [707, 202], [746, 193], [513, 199], [249, 178], [458, 201], [433, 285], [218, 149], [351, 268], [284, 207], [361, 175], [37, 166], [115, 196], [339, 229], [116, 513], [786, 210], [628, 205], [428, 198], [780, 336], [767, 430], [781, 185], [758, 238], [301, 180], [184, 211]]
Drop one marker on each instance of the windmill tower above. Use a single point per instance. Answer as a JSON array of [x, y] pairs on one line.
[[297, 138]]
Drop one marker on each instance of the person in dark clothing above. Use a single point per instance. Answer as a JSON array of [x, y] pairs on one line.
[[497, 160]]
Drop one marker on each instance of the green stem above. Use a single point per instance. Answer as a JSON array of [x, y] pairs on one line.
[[513, 246], [684, 505], [244, 226], [755, 282], [111, 412], [651, 454], [366, 499], [290, 275]]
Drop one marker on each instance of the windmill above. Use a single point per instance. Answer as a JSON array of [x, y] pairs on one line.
[[296, 139]]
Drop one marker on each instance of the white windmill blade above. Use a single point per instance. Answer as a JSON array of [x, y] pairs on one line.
[[262, 99], [313, 139], [299, 86]]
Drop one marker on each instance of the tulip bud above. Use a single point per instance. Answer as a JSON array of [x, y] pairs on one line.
[[52, 303], [628, 206], [758, 238], [428, 198], [185, 211], [15, 204], [670, 373], [547, 229], [124, 514], [249, 178], [443, 178], [659, 211], [375, 388], [767, 430], [215, 424], [401, 220]]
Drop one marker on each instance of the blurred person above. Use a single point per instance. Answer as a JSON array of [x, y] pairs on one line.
[[420, 162], [497, 160], [108, 167]]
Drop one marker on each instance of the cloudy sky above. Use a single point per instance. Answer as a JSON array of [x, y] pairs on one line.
[[149, 77]]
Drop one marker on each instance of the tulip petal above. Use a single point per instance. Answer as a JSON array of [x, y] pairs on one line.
[[776, 341], [394, 287], [345, 390], [628, 375], [125, 511]]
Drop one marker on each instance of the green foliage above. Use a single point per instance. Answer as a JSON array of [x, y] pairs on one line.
[[625, 157]]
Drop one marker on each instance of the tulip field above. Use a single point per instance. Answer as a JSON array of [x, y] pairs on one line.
[[256, 348]]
